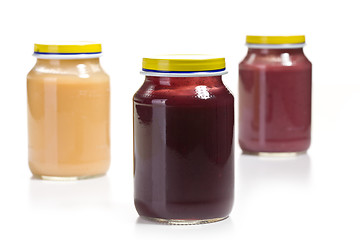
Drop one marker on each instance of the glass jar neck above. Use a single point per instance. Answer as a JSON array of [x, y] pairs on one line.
[[267, 51], [184, 81]]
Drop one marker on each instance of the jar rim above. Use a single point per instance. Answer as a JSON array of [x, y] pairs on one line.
[[275, 46], [66, 56], [179, 74]]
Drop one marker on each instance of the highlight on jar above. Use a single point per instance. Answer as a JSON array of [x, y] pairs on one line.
[[183, 140], [68, 112], [275, 96]]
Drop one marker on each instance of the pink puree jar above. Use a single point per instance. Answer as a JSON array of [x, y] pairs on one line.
[[275, 96]]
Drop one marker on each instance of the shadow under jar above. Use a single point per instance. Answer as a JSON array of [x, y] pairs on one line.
[[183, 141], [275, 96]]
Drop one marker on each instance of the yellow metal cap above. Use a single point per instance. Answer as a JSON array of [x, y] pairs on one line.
[[67, 48], [183, 63], [275, 39]]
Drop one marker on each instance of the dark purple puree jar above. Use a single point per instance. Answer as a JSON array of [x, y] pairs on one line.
[[183, 141]]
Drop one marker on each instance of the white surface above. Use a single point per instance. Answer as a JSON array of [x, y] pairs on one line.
[[313, 197]]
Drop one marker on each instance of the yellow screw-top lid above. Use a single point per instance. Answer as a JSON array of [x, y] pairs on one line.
[[183, 63], [67, 49], [299, 39]]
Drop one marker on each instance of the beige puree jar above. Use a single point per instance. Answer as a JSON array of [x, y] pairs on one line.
[[68, 112]]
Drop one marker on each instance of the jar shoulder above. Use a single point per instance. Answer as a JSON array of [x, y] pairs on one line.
[[59, 73], [255, 61], [194, 94]]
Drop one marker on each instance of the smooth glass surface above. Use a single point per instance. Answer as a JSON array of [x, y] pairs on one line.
[[68, 119], [275, 101], [183, 148]]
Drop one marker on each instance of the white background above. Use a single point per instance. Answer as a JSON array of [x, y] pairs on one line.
[[316, 196]]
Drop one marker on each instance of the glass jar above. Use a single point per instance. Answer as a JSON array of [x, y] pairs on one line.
[[275, 96], [183, 140], [68, 112]]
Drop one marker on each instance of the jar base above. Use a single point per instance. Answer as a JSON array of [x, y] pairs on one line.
[[274, 154], [70, 178], [184, 221]]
